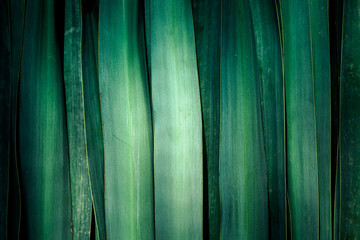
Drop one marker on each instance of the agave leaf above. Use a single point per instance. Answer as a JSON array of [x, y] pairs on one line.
[[302, 161], [75, 112], [5, 99], [126, 119], [43, 149], [177, 121], [94, 137], [305, 27], [207, 25], [272, 107], [321, 74], [349, 212], [244, 200]]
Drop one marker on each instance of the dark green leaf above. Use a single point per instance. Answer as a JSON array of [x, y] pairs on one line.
[[43, 149], [307, 81], [17, 19], [207, 25], [94, 137], [5, 100], [75, 113], [272, 106], [244, 201], [349, 156]]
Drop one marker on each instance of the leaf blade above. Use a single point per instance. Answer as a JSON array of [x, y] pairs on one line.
[[244, 201], [94, 134], [126, 119], [268, 51], [207, 25], [75, 113], [5, 99], [177, 121], [42, 129], [349, 227]]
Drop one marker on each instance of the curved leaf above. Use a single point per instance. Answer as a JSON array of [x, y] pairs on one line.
[[17, 19], [177, 121], [5, 100], [126, 119], [207, 25]]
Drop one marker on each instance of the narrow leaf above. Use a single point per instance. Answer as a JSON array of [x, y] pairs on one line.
[[272, 107], [5, 100], [17, 19], [349, 215], [307, 80], [244, 201], [75, 113], [335, 32], [94, 137], [177, 121], [126, 119], [43, 149], [321, 74], [336, 203], [207, 25]]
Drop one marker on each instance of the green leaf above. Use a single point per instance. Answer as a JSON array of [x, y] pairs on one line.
[[75, 113], [5, 100], [321, 74], [244, 201], [43, 149], [126, 119], [307, 80], [94, 135], [177, 121], [302, 159], [336, 219], [207, 25], [272, 107], [17, 19], [335, 32], [349, 215]]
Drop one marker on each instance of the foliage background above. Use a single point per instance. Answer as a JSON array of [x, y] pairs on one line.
[[189, 119]]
